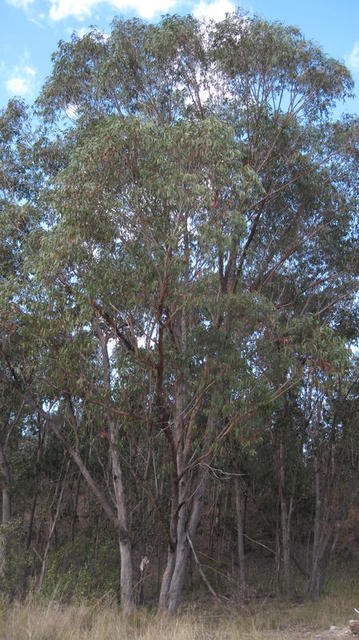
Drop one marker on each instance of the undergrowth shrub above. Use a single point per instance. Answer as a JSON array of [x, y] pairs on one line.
[[78, 570], [16, 564]]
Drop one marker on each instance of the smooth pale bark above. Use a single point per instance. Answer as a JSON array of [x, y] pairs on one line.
[[188, 524], [190, 501], [126, 577], [176, 587], [166, 581], [127, 596], [182, 550]]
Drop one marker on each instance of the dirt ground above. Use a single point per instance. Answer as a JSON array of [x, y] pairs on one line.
[[334, 633]]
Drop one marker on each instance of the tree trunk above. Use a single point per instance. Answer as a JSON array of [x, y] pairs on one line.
[[285, 523], [178, 576], [6, 507], [313, 586], [127, 595], [31, 523], [166, 581], [239, 498], [76, 502], [6, 502], [186, 523], [126, 578]]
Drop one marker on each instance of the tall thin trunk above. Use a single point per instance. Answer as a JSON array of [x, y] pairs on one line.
[[166, 581], [313, 586], [127, 596], [6, 501], [182, 550], [126, 572], [6, 505], [76, 502], [31, 523], [188, 523], [286, 511], [240, 508], [172, 548]]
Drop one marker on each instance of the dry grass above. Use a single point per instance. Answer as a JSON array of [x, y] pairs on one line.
[[267, 618]]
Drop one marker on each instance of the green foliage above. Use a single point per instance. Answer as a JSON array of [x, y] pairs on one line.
[[17, 564], [82, 570]]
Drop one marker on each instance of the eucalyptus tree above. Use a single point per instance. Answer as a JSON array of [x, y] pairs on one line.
[[206, 195], [18, 183]]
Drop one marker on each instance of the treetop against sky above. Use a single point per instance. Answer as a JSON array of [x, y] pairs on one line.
[[31, 29]]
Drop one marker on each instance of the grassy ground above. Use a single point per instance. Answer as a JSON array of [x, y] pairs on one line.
[[36, 621], [203, 619]]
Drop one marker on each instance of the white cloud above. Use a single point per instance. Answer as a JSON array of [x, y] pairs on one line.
[[81, 9], [215, 10], [353, 58], [20, 4], [72, 112], [20, 82], [64, 8], [83, 31]]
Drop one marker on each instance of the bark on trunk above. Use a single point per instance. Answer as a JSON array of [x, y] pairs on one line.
[[127, 596], [178, 576], [6, 502], [6, 506], [31, 523], [286, 511], [76, 502], [126, 577], [186, 523], [240, 508], [313, 587], [166, 581]]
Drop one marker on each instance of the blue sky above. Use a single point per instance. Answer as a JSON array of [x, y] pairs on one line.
[[30, 30]]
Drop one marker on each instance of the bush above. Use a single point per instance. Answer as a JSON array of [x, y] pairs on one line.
[[77, 570]]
